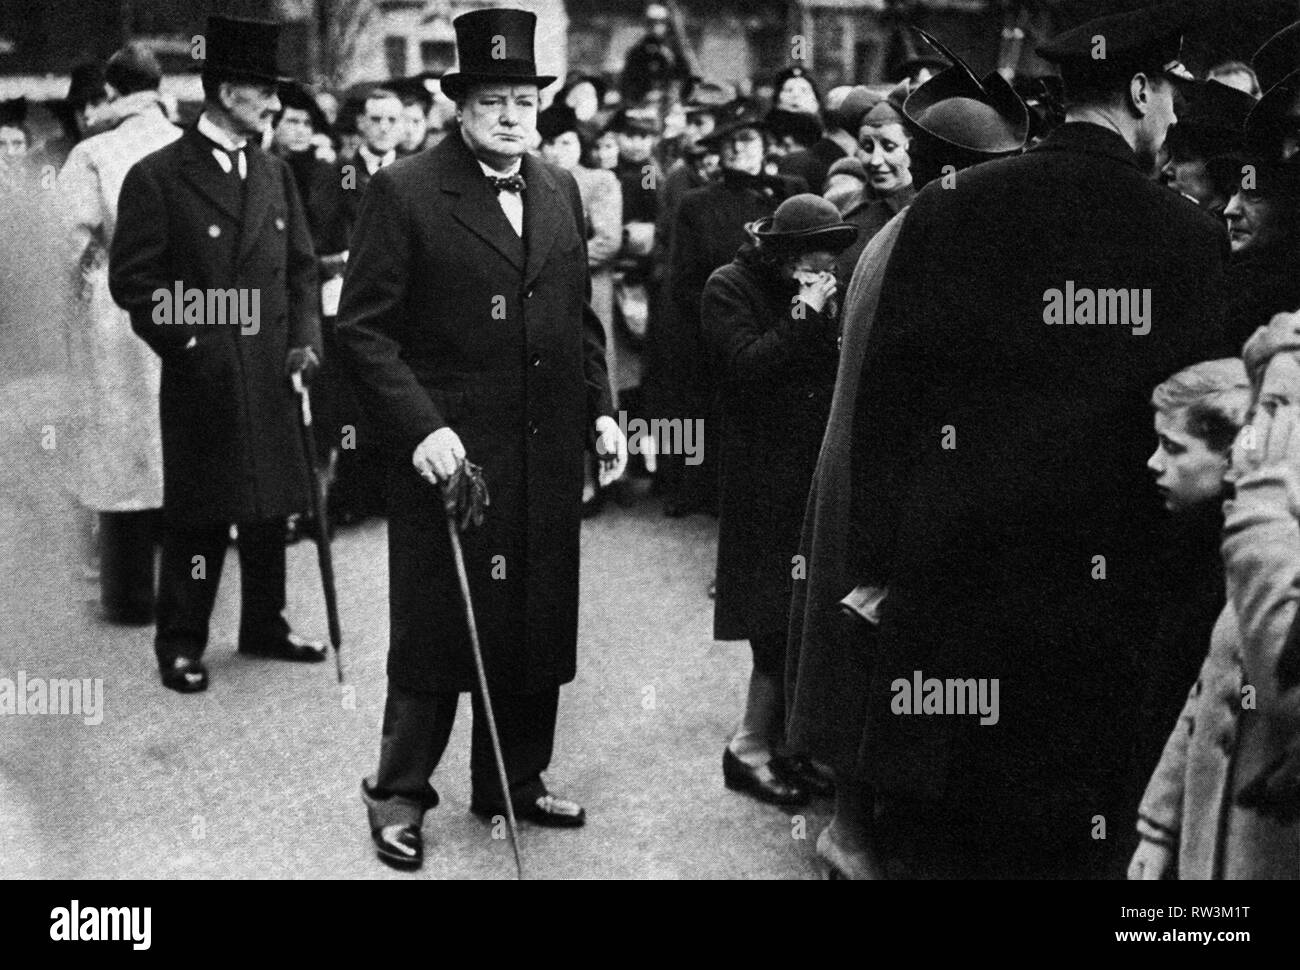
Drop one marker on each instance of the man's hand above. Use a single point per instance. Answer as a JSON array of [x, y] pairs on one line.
[[815, 288], [437, 456], [301, 360], [611, 448], [1150, 861]]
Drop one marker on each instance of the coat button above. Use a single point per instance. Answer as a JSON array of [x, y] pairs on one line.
[[532, 427], [811, 395], [537, 360], [279, 224], [214, 231], [528, 295]]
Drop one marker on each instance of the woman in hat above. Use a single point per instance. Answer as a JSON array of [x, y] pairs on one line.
[[795, 90], [562, 144], [770, 328]]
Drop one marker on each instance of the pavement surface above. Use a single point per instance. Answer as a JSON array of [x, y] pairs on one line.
[[258, 777]]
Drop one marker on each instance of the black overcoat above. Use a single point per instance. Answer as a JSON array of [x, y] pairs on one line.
[[231, 446], [775, 370], [448, 319], [1000, 487]]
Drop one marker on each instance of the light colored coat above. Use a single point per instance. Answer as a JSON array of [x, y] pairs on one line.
[[117, 465], [1224, 738]]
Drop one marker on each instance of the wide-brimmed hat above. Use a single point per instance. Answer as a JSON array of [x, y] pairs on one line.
[[1275, 116], [1269, 177], [243, 48], [804, 223], [1277, 57], [741, 113], [294, 94], [959, 109], [494, 46]]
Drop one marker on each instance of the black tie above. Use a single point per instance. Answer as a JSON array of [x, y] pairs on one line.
[[511, 183]]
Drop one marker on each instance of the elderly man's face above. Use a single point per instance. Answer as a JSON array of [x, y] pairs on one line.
[[381, 124], [499, 121], [1255, 221], [252, 106], [294, 131]]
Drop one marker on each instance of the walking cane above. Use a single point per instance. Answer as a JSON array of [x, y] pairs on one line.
[[463, 496], [320, 511]]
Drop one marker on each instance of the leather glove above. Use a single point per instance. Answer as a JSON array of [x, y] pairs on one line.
[[465, 495], [302, 359]]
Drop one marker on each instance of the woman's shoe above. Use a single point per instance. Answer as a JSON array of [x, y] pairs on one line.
[[761, 782], [801, 770], [843, 864]]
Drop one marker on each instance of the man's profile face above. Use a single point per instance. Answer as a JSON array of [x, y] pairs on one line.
[[499, 121], [251, 105], [1156, 122], [381, 124], [294, 131], [415, 126]]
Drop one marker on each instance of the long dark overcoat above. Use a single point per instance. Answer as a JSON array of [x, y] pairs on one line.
[[231, 446], [1000, 484], [449, 319], [775, 370]]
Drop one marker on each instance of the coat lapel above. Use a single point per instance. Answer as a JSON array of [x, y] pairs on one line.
[[476, 207], [544, 212], [260, 196], [201, 171]]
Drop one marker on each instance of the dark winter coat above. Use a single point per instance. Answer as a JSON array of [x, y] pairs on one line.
[[448, 319], [1000, 487], [231, 445], [775, 362]]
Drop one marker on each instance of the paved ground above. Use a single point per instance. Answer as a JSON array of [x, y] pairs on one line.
[[258, 777]]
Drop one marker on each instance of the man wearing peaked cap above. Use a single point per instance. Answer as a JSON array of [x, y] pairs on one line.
[[213, 213], [465, 322], [987, 546]]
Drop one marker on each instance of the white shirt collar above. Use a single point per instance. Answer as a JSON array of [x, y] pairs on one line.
[[489, 170], [375, 162], [208, 128]]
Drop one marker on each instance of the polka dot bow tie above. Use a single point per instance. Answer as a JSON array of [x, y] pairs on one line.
[[511, 183]]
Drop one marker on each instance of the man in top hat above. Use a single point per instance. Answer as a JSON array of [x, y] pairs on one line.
[[465, 322], [1000, 494], [211, 230]]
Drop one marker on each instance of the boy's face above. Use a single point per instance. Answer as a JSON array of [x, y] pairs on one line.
[[1188, 473]]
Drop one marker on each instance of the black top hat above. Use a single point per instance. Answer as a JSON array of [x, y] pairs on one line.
[[1277, 57], [1148, 39], [958, 108], [804, 223], [242, 49], [494, 46], [294, 94]]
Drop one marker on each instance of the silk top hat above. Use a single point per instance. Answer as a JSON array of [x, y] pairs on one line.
[[1117, 46], [958, 108], [494, 46], [805, 223], [243, 49]]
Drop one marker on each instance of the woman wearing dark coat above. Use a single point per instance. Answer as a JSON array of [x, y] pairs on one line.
[[770, 329]]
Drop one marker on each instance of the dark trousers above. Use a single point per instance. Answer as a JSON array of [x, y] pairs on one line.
[[416, 730], [186, 592], [126, 567]]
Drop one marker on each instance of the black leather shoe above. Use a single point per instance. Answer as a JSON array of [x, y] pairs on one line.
[[401, 846], [292, 647], [762, 783], [547, 811], [184, 675], [803, 772]]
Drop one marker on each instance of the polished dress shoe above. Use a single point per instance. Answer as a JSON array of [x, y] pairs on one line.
[[184, 675], [547, 811], [401, 846], [762, 782], [292, 647], [803, 772]]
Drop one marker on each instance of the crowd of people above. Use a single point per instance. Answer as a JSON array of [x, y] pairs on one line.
[[980, 546]]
